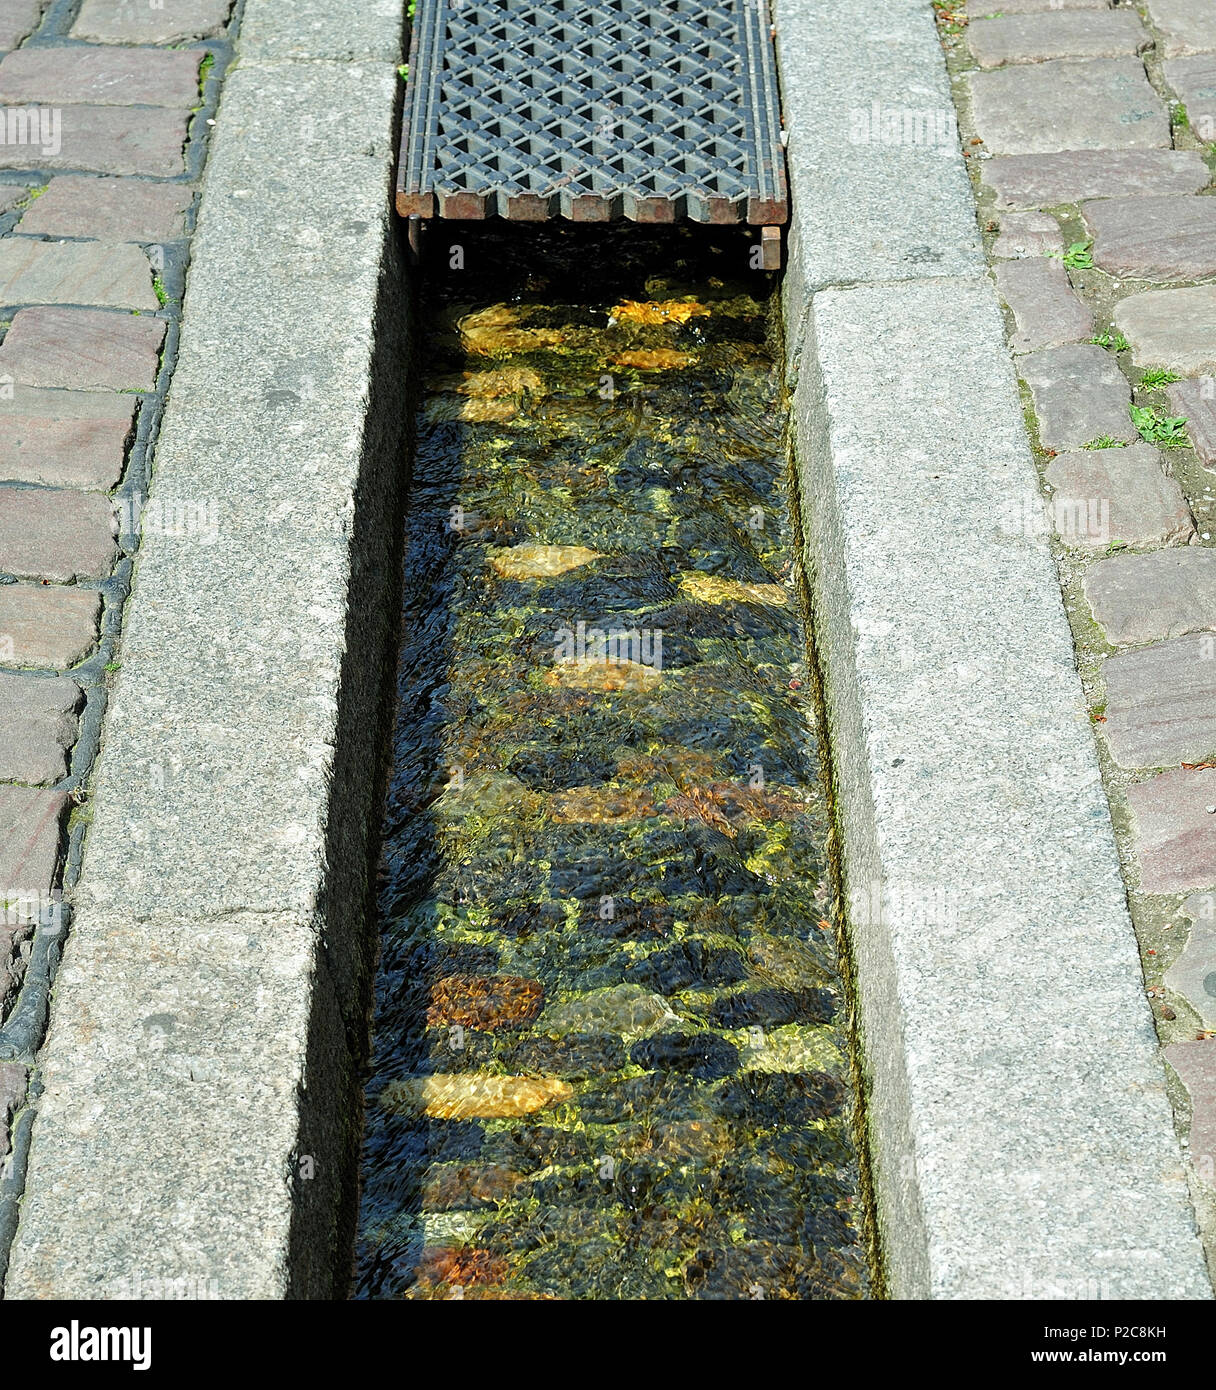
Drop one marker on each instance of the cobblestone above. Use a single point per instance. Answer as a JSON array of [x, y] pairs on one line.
[[1147, 598], [1071, 176], [29, 840], [1194, 79], [47, 629], [1055, 34], [1195, 1063], [109, 209], [1195, 401], [1193, 974], [1041, 108], [1028, 234], [59, 536], [1187, 26], [1161, 703], [1155, 238], [1046, 309], [1176, 833], [14, 1081], [136, 21], [1172, 328], [64, 438], [1079, 395], [1047, 6], [18, 20], [83, 349], [44, 272], [107, 140], [1105, 496], [101, 77], [38, 727]]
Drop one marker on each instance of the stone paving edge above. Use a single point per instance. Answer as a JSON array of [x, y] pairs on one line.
[[200, 1107], [1019, 1150]]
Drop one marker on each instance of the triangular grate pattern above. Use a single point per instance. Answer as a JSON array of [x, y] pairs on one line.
[[593, 109]]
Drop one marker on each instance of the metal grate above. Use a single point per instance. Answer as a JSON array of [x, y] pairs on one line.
[[592, 110]]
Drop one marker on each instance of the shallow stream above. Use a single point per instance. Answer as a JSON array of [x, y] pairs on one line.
[[611, 1040]]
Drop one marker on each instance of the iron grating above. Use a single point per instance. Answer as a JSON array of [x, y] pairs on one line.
[[653, 110]]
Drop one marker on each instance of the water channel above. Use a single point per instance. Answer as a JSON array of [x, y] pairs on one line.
[[612, 1041]]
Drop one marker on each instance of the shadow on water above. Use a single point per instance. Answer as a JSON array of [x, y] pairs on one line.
[[611, 1039]]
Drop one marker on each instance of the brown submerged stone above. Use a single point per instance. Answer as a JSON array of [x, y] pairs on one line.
[[484, 1002]]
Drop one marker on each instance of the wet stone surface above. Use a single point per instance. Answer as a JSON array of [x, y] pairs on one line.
[[604, 893]]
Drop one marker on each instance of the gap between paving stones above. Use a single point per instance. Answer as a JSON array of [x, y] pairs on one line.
[[1022, 1137], [211, 1004]]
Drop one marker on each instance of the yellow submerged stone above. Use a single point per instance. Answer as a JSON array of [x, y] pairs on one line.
[[529, 561], [494, 330], [473, 1096], [603, 675], [658, 311], [652, 359], [709, 588]]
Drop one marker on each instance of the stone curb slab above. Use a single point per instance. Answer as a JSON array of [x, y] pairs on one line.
[[873, 118]]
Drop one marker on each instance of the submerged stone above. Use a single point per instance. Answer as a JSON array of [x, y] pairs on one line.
[[473, 1095], [703, 1055]]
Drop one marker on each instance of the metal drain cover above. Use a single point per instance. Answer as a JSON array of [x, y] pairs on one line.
[[592, 110]]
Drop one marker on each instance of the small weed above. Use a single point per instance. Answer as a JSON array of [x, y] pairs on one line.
[[1181, 119], [1079, 256], [1098, 713], [162, 294], [403, 72], [1167, 430], [1115, 341], [113, 665], [204, 71], [1114, 547], [1104, 441], [1157, 377]]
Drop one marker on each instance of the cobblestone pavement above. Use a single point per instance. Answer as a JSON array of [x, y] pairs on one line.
[[105, 107], [1090, 131]]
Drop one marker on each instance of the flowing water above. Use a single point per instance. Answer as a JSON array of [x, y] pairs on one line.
[[611, 1039]]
